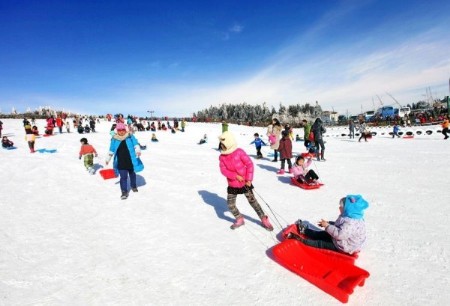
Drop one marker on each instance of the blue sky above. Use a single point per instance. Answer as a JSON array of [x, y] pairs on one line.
[[178, 57]]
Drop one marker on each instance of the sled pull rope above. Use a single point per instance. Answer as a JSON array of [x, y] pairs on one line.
[[271, 210], [317, 169]]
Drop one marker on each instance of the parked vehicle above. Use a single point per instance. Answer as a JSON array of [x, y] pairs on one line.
[[386, 111]]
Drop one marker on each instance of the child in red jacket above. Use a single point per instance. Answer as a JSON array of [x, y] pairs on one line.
[[88, 152], [285, 150]]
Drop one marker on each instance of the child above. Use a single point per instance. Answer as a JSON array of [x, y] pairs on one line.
[[204, 139], [126, 151], [67, 124], [237, 167], [30, 138], [347, 234], [87, 129], [395, 131], [285, 150], [154, 139], [258, 143], [88, 152], [297, 138], [301, 172], [35, 130], [6, 143], [112, 132]]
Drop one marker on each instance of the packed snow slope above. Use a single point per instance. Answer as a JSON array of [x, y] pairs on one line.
[[66, 237]]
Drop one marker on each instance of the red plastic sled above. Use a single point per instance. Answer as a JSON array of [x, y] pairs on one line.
[[328, 271], [345, 257], [315, 185], [107, 173]]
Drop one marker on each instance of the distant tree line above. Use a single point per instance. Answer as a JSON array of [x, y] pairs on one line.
[[258, 114]]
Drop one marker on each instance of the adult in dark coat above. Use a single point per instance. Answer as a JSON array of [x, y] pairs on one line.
[[318, 130]]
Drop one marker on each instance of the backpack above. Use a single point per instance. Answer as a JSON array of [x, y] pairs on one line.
[[272, 139]]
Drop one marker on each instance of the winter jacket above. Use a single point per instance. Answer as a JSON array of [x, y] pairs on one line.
[[87, 149], [133, 147], [318, 129], [348, 234], [285, 148], [445, 123], [234, 161], [276, 131], [301, 170], [258, 142], [362, 127], [349, 230], [307, 130]]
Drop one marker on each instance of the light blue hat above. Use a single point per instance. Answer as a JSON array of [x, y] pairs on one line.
[[354, 206]]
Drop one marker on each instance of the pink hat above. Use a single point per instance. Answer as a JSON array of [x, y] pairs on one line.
[[121, 126]]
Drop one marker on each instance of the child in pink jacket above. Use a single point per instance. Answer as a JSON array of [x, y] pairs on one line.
[[301, 172], [237, 167]]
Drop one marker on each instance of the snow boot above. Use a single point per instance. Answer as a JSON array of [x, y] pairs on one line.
[[281, 171], [266, 224], [239, 222], [301, 226], [321, 156], [124, 195], [134, 189]]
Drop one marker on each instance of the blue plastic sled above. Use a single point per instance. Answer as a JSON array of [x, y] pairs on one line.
[[46, 150]]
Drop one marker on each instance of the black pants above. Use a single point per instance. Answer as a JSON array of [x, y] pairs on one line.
[[363, 135], [319, 142], [310, 175], [258, 152], [275, 155], [444, 132], [319, 239], [283, 160]]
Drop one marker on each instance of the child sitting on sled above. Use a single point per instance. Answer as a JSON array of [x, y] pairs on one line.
[[204, 139], [154, 139], [347, 234], [6, 143], [301, 172]]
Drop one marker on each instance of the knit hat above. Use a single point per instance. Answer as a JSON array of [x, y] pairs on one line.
[[229, 142], [121, 126], [354, 206]]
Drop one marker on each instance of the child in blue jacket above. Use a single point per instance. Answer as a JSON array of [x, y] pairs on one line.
[[395, 131], [258, 144]]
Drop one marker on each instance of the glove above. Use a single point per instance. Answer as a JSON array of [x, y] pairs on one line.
[[79, 157], [108, 159]]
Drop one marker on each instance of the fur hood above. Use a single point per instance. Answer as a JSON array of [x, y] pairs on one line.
[[227, 139]]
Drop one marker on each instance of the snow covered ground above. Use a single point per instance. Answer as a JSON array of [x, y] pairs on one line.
[[66, 238]]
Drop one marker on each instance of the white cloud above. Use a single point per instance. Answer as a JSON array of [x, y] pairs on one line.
[[236, 28]]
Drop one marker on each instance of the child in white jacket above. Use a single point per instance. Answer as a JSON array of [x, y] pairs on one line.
[[347, 234]]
